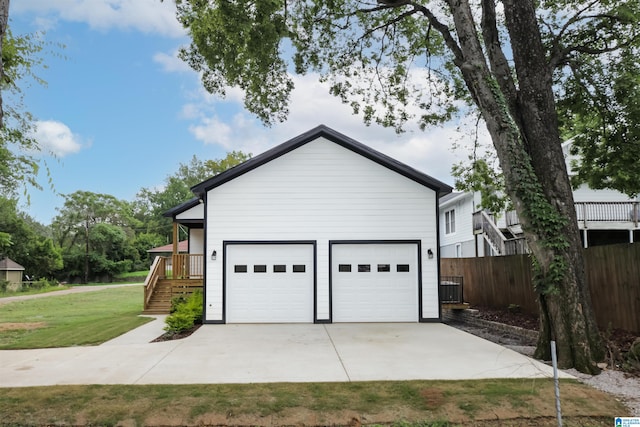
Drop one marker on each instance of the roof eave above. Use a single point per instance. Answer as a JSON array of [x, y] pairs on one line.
[[323, 131]]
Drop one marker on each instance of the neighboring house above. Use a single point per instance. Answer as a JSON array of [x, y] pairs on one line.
[[604, 217], [11, 271], [319, 229], [183, 248], [457, 239]]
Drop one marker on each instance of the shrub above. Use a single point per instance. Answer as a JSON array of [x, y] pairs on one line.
[[36, 285], [185, 313], [3, 285], [179, 322]]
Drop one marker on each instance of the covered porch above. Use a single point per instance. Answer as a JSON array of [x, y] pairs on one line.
[[180, 273]]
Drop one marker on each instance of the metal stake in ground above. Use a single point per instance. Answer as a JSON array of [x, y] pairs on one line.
[[556, 382]]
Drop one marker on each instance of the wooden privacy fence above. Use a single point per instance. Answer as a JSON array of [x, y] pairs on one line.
[[613, 273]]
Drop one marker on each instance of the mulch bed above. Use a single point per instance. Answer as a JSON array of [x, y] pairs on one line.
[[170, 336], [620, 338]]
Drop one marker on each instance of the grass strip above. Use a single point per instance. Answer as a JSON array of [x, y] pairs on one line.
[[478, 402], [71, 320]]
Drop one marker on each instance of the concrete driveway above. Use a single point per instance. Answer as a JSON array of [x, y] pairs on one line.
[[273, 353]]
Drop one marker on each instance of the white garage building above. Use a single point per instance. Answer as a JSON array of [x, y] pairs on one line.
[[321, 229]]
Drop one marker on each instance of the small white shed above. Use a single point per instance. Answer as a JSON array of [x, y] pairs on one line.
[[321, 229]]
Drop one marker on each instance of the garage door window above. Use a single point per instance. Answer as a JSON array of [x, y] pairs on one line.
[[299, 268], [344, 268], [384, 268], [402, 268], [364, 268], [239, 268], [259, 268], [279, 268]]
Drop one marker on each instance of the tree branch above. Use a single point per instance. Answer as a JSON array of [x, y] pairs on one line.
[[561, 56], [497, 60]]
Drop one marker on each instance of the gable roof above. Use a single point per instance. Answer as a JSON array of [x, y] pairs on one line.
[[322, 131], [7, 264], [182, 207]]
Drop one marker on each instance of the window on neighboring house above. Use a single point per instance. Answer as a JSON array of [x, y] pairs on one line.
[[450, 221]]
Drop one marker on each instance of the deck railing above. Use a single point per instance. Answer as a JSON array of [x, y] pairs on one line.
[[608, 212], [516, 246], [184, 266], [484, 223], [598, 212], [157, 268]]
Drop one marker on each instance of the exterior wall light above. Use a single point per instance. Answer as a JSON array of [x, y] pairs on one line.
[[214, 254], [430, 253]]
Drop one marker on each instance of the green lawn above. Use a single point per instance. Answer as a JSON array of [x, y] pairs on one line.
[[521, 402], [68, 320], [34, 291], [95, 317]]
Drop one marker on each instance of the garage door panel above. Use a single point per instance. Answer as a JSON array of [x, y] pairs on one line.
[[276, 287], [375, 282]]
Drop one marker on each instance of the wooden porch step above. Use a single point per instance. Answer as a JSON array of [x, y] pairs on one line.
[[165, 290]]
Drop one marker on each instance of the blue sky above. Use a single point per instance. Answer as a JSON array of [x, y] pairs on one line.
[[121, 111]]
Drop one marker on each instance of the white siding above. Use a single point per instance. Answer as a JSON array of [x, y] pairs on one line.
[[464, 208], [321, 191], [586, 194], [196, 241], [196, 212]]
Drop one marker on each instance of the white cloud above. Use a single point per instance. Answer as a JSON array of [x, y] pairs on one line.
[[311, 105], [56, 137], [171, 63], [147, 16]]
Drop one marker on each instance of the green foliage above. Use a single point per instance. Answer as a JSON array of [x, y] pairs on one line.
[[185, 313], [479, 177], [29, 246], [152, 203], [37, 285], [96, 232], [601, 119], [238, 44], [141, 244], [4, 285], [19, 166]]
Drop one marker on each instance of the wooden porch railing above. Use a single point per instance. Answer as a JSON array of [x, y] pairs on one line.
[[157, 267], [172, 276], [185, 266]]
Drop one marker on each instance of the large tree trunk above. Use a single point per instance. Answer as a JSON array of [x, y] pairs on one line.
[[4, 21], [565, 307], [524, 129]]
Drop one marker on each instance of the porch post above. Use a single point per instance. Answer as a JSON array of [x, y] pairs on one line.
[[174, 263], [175, 238]]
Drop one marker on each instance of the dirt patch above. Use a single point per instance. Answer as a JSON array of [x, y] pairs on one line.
[[21, 326]]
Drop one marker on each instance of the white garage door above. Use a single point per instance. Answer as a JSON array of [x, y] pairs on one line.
[[375, 282], [269, 283]]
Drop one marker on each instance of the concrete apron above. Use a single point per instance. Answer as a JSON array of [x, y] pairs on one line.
[[217, 354]]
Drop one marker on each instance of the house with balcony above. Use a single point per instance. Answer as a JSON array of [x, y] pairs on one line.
[[604, 217]]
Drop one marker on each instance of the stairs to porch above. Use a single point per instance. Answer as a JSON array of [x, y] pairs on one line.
[[170, 277], [160, 301]]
